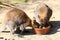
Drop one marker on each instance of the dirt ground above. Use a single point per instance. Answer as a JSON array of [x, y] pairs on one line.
[[54, 33]]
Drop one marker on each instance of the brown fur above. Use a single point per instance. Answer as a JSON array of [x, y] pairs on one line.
[[18, 17], [44, 14]]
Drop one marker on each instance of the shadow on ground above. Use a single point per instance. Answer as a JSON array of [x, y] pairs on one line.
[[55, 25], [26, 32]]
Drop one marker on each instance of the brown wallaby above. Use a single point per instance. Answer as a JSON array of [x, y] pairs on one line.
[[42, 15], [15, 18]]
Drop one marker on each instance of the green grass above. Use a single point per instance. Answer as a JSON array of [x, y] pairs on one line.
[[21, 0]]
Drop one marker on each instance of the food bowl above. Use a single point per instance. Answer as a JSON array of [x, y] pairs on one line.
[[43, 30]]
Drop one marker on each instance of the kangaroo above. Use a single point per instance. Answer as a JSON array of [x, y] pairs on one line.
[[42, 16]]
